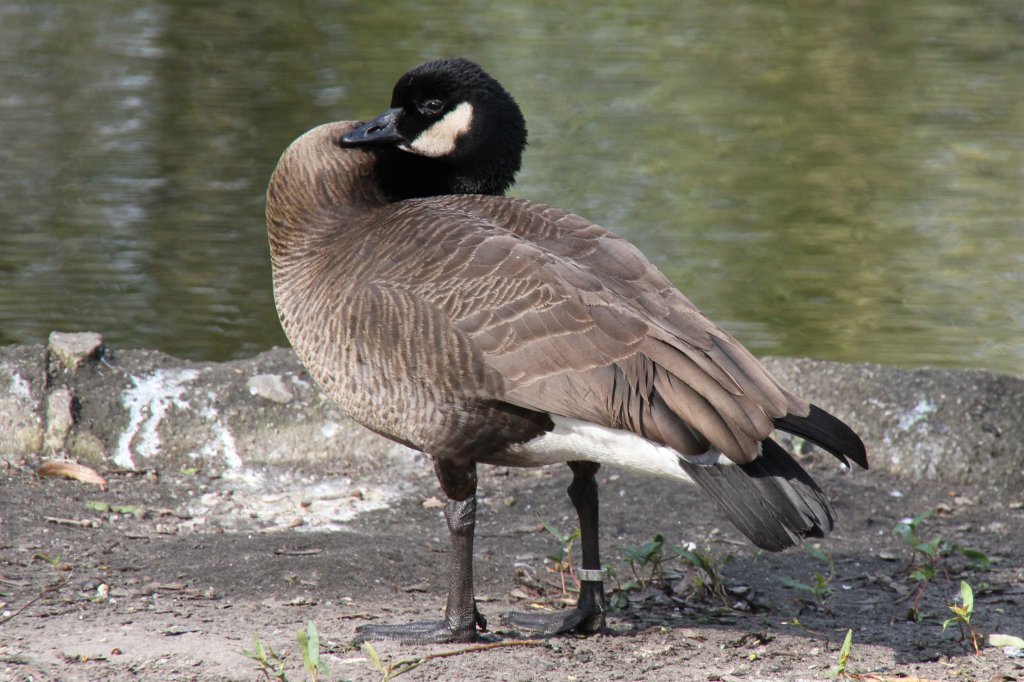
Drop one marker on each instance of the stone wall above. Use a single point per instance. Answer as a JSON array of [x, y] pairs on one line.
[[140, 409]]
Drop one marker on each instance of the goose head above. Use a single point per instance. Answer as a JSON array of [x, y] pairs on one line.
[[451, 129]]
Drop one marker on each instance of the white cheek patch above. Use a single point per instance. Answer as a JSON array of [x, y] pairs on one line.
[[440, 139]]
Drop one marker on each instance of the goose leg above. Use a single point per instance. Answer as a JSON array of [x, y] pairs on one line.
[[461, 617], [589, 615]]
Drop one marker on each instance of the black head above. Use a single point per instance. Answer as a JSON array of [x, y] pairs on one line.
[[451, 129]]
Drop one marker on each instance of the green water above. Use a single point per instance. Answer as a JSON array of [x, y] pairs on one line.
[[833, 180]]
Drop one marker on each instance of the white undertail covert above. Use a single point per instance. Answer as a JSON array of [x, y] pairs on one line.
[[577, 440]]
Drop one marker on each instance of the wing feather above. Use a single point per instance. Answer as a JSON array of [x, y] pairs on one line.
[[578, 323]]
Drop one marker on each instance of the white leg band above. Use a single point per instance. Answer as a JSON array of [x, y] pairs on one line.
[[592, 575]]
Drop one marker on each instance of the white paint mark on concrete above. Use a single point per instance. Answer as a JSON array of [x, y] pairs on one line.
[[223, 442], [21, 388], [147, 404], [916, 415], [330, 429]]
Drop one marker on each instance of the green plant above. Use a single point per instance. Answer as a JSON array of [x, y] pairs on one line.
[[651, 566], [925, 556], [645, 564], [124, 509], [645, 561], [562, 557], [309, 646], [270, 662], [920, 550], [962, 616], [979, 560], [821, 588], [928, 553], [54, 561], [708, 579], [617, 598], [844, 656]]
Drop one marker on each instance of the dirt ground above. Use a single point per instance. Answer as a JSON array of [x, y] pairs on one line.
[[165, 589]]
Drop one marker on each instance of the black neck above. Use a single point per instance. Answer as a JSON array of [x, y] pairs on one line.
[[403, 175]]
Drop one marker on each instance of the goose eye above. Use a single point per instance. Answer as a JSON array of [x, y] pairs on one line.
[[432, 107]]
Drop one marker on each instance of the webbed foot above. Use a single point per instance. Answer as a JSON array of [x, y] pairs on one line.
[[560, 623], [425, 632], [586, 619]]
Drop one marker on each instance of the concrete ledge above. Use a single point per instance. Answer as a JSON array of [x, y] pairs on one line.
[[929, 423], [139, 409]]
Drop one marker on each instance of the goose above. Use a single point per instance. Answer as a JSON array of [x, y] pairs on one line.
[[484, 329]]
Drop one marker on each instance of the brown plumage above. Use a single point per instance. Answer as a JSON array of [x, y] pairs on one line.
[[486, 299], [471, 326]]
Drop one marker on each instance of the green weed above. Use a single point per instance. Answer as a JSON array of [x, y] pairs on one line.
[[645, 565], [821, 587], [645, 561], [124, 509], [926, 556], [708, 580], [53, 561], [839, 671], [962, 613], [271, 664], [651, 565], [309, 647], [562, 557]]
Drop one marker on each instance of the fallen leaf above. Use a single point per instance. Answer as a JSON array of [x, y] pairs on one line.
[[72, 470], [1005, 640]]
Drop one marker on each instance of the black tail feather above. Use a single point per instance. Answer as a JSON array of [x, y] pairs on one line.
[[772, 500], [821, 428]]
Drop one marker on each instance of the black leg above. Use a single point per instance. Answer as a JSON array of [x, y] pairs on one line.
[[460, 612], [583, 493], [461, 617], [589, 615]]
